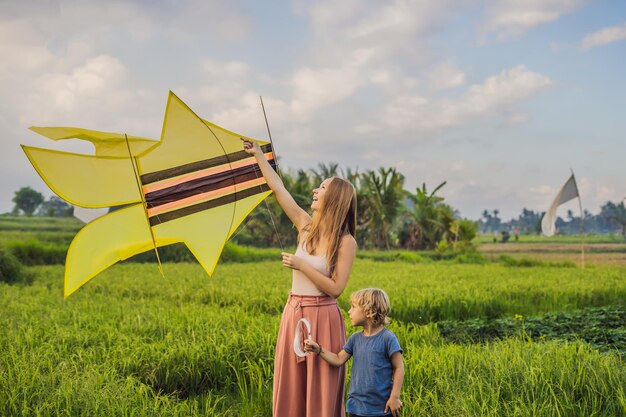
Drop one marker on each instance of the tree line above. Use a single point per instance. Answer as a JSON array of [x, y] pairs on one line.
[[388, 215], [610, 219]]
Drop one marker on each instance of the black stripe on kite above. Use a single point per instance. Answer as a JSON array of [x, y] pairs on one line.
[[205, 184], [206, 205], [198, 165]]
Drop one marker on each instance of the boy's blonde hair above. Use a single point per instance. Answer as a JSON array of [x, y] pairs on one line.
[[374, 303]]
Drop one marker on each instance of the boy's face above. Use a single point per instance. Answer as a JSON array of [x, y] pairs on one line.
[[357, 315]]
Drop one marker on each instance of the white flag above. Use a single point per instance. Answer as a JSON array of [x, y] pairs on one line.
[[567, 193]]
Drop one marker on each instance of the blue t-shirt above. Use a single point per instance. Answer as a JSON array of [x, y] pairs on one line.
[[372, 374]]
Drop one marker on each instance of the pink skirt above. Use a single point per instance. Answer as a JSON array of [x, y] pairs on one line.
[[309, 386]]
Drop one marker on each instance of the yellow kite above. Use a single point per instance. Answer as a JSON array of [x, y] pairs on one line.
[[195, 185]]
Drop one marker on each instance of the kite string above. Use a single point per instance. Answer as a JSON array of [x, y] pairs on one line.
[[269, 133], [280, 240]]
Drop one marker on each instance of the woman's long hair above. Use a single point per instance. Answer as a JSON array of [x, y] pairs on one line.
[[336, 217]]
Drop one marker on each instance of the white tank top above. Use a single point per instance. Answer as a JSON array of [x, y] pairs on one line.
[[300, 283]]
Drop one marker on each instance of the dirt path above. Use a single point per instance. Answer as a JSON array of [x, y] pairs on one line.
[[553, 247], [595, 254]]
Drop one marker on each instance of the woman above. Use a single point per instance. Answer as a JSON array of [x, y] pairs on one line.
[[308, 386]]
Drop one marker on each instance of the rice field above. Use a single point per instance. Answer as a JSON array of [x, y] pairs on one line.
[[515, 330], [133, 343]]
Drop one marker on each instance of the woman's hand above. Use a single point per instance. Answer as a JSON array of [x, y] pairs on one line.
[[251, 147], [292, 261], [311, 346]]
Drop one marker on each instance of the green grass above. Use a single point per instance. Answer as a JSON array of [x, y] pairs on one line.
[[132, 343], [423, 293]]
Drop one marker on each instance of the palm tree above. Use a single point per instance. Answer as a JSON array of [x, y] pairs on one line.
[[429, 220], [324, 171], [381, 201]]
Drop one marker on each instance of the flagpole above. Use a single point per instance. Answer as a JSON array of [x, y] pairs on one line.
[[582, 232], [582, 225]]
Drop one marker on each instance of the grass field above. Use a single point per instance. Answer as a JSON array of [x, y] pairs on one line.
[[485, 339]]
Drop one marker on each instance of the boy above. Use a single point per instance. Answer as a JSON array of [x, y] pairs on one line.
[[378, 369]]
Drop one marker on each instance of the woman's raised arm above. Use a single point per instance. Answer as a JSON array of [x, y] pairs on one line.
[[296, 214]]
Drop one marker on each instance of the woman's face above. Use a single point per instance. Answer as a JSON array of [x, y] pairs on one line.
[[318, 194]]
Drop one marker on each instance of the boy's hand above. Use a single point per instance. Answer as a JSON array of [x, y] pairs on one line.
[[394, 405], [311, 346]]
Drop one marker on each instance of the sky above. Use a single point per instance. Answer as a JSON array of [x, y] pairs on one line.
[[500, 98]]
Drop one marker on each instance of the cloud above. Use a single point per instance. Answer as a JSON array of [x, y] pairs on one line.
[[543, 190], [446, 75], [382, 51], [91, 79], [22, 48], [225, 69], [595, 194], [604, 36], [328, 13], [518, 118], [316, 88], [199, 18], [507, 18], [396, 28], [247, 116], [94, 93], [499, 93]]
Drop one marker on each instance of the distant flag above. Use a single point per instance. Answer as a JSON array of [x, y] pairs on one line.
[[567, 193]]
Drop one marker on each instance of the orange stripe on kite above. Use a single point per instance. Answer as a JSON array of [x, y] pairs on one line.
[[205, 196], [203, 173]]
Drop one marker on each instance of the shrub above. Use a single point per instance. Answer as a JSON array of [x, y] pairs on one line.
[[236, 253], [232, 253], [177, 252], [11, 270], [392, 256], [470, 258], [530, 263], [33, 252]]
